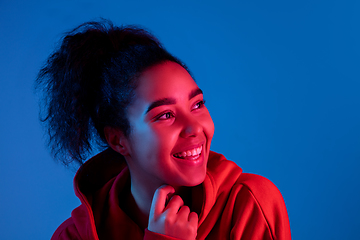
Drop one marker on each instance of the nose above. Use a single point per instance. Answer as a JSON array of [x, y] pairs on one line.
[[191, 127]]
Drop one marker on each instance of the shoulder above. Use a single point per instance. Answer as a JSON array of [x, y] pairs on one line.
[[259, 186], [222, 170], [258, 196], [263, 192], [252, 201], [66, 231]]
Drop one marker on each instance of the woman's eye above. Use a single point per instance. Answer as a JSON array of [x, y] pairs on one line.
[[199, 104], [165, 116]]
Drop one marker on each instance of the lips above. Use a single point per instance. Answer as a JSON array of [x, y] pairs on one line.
[[193, 153]]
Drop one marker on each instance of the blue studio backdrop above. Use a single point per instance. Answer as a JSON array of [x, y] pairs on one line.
[[281, 80]]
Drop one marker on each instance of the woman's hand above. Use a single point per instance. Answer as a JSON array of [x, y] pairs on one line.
[[173, 219]]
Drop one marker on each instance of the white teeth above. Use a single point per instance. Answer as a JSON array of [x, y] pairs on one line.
[[189, 153]]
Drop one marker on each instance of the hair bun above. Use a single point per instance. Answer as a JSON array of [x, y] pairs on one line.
[[88, 82]]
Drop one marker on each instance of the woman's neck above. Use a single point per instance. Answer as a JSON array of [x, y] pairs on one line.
[[137, 210]]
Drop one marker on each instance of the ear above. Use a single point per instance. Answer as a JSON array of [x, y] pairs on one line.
[[116, 140]]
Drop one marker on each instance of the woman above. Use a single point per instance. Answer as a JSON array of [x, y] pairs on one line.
[[118, 88]]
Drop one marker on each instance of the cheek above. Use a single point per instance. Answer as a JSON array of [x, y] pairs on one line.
[[167, 138], [153, 142], [143, 142], [208, 124]]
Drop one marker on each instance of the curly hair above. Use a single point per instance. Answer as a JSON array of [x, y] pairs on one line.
[[88, 82]]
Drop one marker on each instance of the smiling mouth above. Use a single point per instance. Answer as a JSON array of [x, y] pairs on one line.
[[192, 153]]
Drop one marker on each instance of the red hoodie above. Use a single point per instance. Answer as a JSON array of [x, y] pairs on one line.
[[234, 205]]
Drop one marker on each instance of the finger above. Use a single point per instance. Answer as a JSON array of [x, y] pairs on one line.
[[159, 199], [193, 219], [174, 204], [183, 213]]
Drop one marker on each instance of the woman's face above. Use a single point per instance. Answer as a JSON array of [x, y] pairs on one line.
[[171, 129]]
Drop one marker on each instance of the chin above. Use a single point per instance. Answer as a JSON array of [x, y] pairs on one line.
[[195, 181]]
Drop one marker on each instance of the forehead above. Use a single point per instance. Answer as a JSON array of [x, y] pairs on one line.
[[164, 80]]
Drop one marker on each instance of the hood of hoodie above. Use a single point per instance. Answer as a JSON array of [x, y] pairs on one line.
[[101, 173]]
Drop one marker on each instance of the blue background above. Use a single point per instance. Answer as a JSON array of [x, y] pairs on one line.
[[281, 80]]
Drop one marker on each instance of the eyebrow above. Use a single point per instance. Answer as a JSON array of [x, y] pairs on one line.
[[195, 92], [170, 101]]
